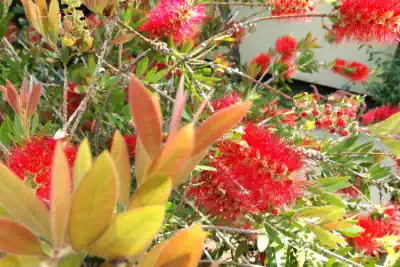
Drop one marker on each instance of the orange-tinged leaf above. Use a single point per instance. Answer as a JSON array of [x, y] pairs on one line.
[[13, 98], [10, 261], [22, 204], [120, 155], [172, 253], [123, 38], [16, 239], [33, 99], [146, 116], [175, 153], [60, 196], [23, 93], [189, 166], [93, 204], [142, 162], [153, 192], [218, 124], [83, 162], [129, 233]]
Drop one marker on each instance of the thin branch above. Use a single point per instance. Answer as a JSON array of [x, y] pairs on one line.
[[65, 96], [237, 4], [232, 230], [231, 263]]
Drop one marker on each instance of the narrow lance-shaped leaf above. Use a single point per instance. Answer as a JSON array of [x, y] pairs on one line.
[[146, 116], [54, 20], [83, 162], [218, 124], [23, 93], [93, 204], [60, 196], [175, 153], [142, 162], [178, 107], [16, 239], [129, 233], [13, 98], [189, 166], [21, 203], [119, 153], [172, 253], [33, 99], [153, 192]]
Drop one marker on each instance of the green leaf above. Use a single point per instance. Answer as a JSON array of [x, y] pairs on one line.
[[389, 126], [262, 242], [142, 66], [333, 184], [353, 231], [326, 238], [331, 198], [73, 260]]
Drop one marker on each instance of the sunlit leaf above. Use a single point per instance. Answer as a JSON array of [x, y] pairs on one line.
[[178, 107], [83, 162], [60, 196], [123, 38], [13, 97], [153, 192], [33, 99], [16, 239], [93, 204], [146, 116], [326, 238], [120, 155], [188, 167], [129, 233], [54, 20], [21, 203], [142, 162], [389, 126], [172, 253], [175, 153], [73, 260], [218, 124]]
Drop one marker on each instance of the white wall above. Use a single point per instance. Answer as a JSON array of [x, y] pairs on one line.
[[268, 31]]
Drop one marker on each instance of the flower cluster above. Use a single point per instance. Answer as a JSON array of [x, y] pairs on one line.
[[130, 141], [291, 7], [379, 114], [251, 176], [176, 18], [351, 70], [286, 46], [261, 62], [368, 20], [376, 227], [73, 98], [339, 117], [32, 163]]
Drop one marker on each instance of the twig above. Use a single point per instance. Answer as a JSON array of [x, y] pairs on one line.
[[338, 257], [65, 96], [237, 4], [232, 230], [231, 263]]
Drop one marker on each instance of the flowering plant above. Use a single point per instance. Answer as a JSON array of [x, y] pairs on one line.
[[211, 162]]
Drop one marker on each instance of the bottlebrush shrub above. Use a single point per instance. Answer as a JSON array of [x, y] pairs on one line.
[[82, 217], [271, 191]]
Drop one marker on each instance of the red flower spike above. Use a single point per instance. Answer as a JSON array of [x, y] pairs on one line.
[[131, 143], [176, 18], [286, 45], [379, 114], [262, 61], [351, 70], [375, 228], [226, 101], [250, 177], [292, 7], [32, 163], [368, 20]]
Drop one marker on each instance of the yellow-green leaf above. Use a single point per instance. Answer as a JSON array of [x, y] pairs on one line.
[[10, 261], [60, 196], [172, 253], [72, 260], [129, 233], [153, 192], [326, 238], [93, 204], [82, 163], [16, 239], [22, 204], [146, 115], [325, 214], [175, 153], [119, 154], [390, 126], [142, 162], [54, 21], [218, 124]]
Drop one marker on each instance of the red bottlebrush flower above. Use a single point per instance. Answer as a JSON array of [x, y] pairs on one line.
[[32, 163], [226, 101], [251, 176], [286, 45], [33, 36], [73, 98], [292, 7], [290, 65], [89, 126], [351, 70], [176, 18], [376, 228], [262, 61], [379, 114], [12, 32], [287, 116], [131, 143], [368, 20]]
